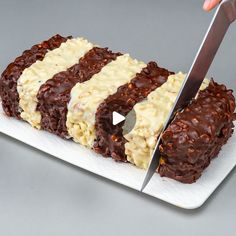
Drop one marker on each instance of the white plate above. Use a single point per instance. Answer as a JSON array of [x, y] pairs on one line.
[[182, 195]]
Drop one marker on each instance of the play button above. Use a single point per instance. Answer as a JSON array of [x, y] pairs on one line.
[[117, 118], [130, 120]]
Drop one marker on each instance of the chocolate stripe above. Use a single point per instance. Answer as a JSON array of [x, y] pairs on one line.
[[54, 95], [9, 78], [109, 138], [197, 134]]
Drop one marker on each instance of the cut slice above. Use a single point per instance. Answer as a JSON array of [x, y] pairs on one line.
[[197, 134]]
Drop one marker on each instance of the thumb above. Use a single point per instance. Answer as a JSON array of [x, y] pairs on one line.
[[210, 4]]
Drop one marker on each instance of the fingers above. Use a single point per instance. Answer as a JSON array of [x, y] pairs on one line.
[[210, 4]]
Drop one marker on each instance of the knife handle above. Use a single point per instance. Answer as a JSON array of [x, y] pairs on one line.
[[229, 7]]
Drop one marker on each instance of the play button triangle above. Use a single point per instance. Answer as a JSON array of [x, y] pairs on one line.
[[117, 118]]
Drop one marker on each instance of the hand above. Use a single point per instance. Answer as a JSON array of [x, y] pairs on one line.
[[210, 4]]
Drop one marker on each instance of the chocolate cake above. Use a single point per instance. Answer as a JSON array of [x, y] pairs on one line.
[[70, 87]]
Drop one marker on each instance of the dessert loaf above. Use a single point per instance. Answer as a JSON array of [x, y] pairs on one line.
[[70, 87]]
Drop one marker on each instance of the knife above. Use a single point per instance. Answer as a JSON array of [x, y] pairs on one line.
[[224, 16]]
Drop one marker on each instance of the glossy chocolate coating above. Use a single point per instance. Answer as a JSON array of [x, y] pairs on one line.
[[109, 138], [9, 78], [54, 95], [197, 134]]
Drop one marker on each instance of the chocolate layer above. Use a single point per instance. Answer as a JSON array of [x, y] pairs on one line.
[[8, 81], [109, 138], [54, 95], [197, 134]]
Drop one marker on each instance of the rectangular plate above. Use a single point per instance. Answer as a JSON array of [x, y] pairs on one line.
[[187, 196]]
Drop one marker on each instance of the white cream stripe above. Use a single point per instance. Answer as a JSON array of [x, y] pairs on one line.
[[150, 117], [86, 97], [55, 61]]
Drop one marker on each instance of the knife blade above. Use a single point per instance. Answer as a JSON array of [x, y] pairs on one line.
[[224, 16]]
